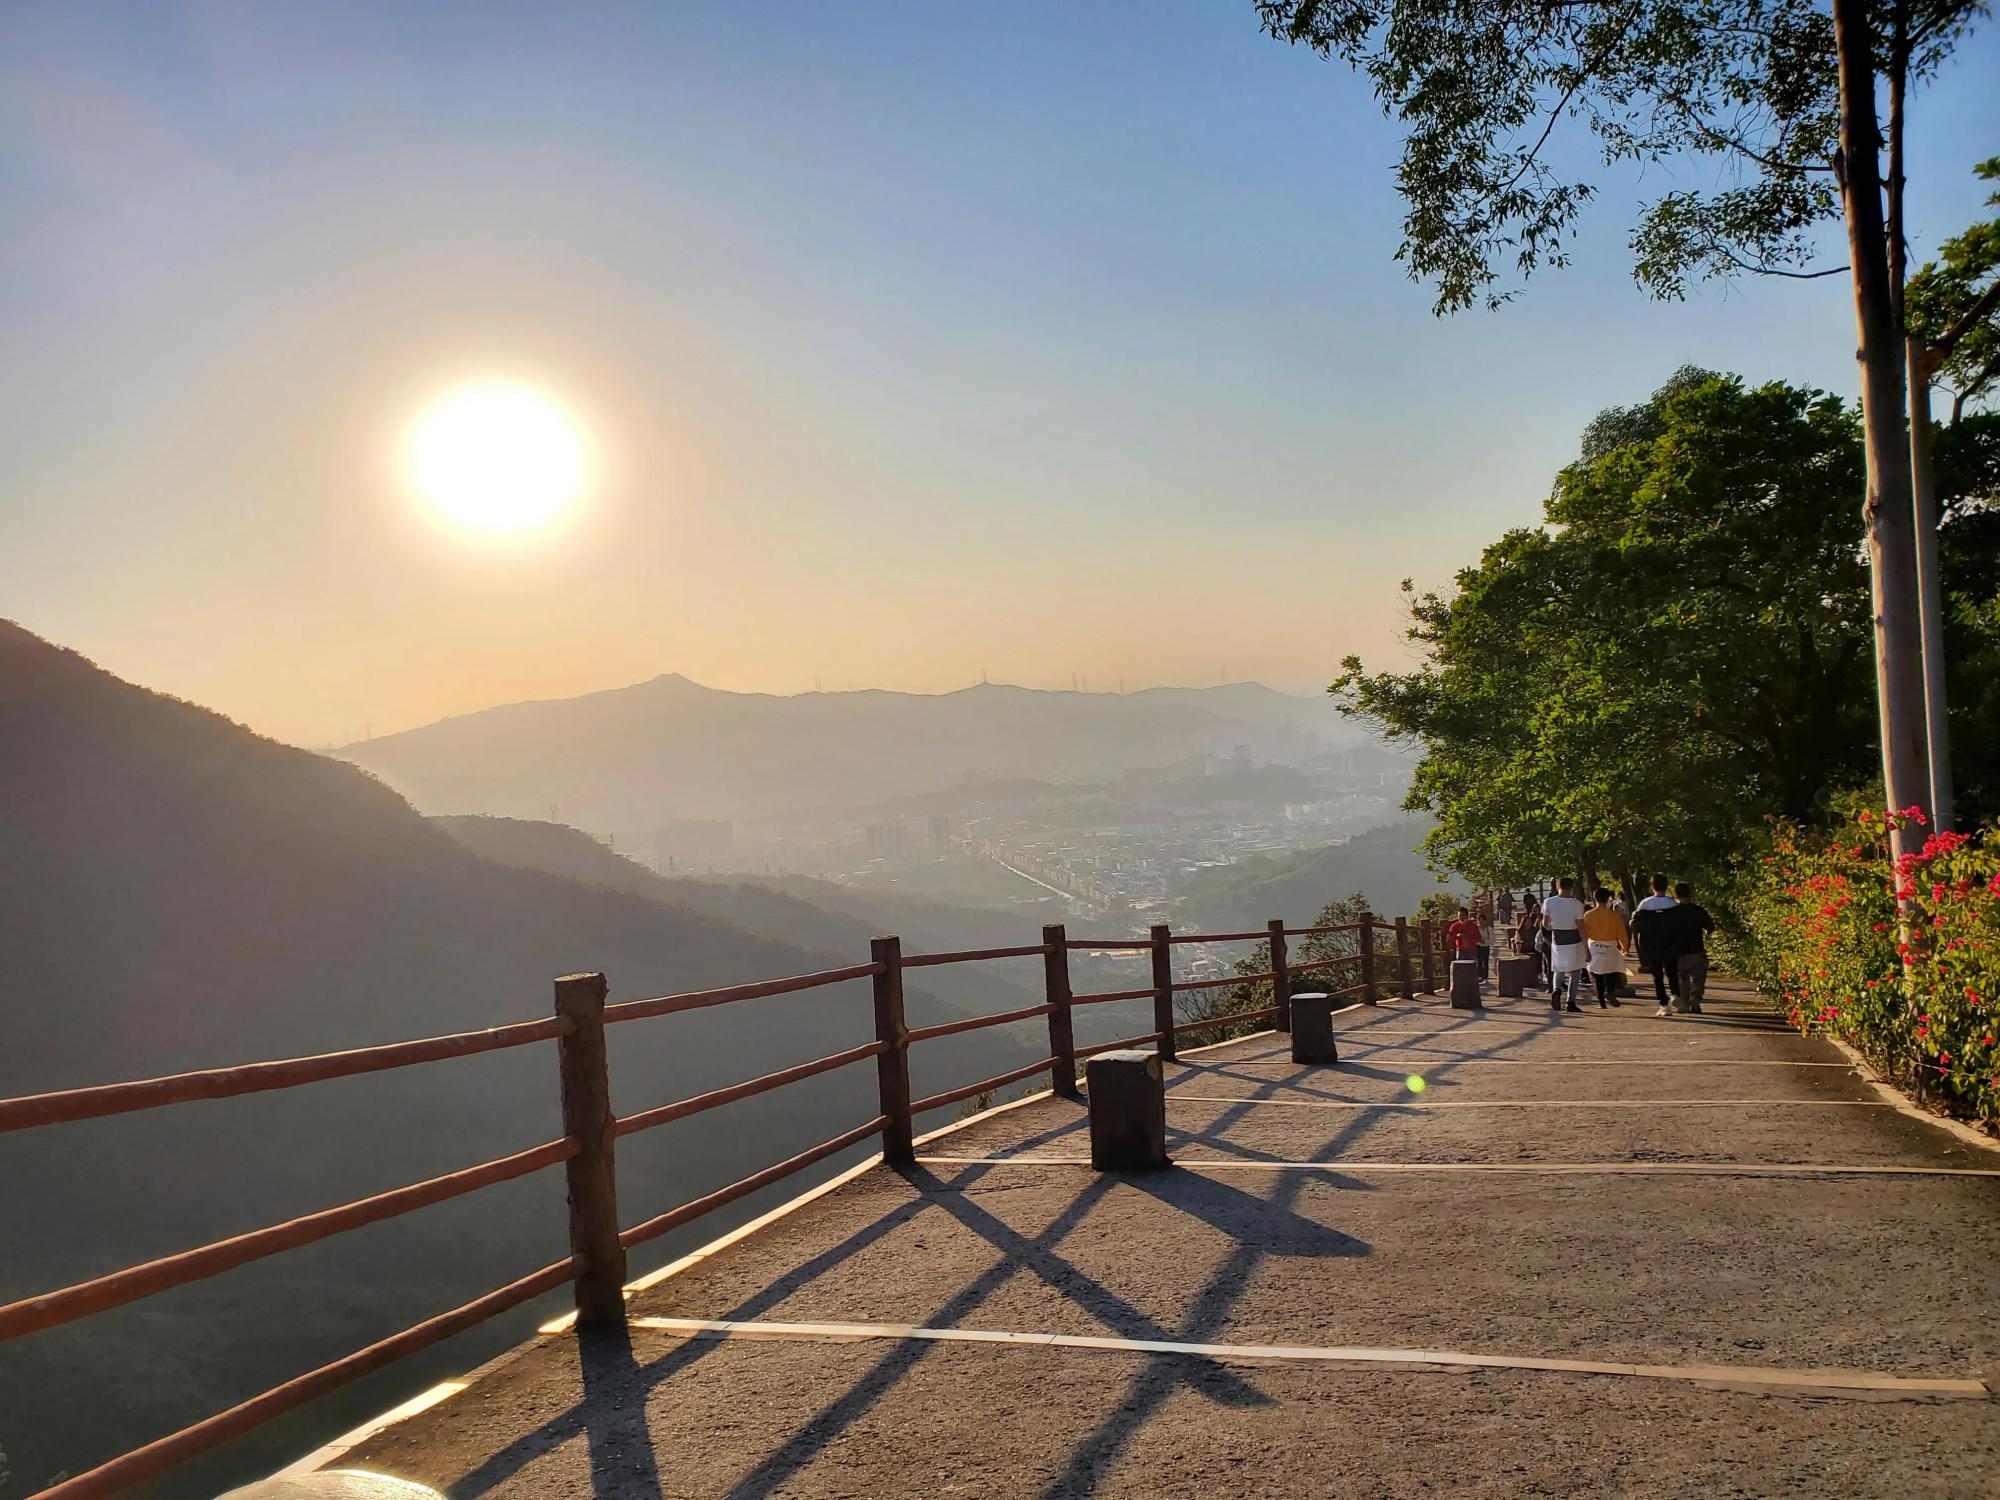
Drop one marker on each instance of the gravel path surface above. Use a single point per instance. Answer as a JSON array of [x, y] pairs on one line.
[[1892, 1274]]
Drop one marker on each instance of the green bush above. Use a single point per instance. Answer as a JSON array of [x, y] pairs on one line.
[[1917, 993]]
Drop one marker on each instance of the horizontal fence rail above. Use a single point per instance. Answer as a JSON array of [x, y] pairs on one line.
[[979, 1023], [1108, 996], [255, 1078], [973, 956], [1234, 1018], [1221, 984], [985, 1085], [680, 1109], [688, 1212], [596, 1263], [668, 1005], [143, 1463], [51, 1309]]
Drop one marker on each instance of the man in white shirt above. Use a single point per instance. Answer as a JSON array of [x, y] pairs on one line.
[[1658, 954], [1569, 955]]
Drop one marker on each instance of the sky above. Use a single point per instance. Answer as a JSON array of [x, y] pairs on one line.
[[911, 341]]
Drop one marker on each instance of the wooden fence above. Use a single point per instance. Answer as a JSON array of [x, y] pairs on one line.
[[586, 1148]]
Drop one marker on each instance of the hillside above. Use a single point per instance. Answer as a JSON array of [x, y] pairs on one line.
[[1380, 863], [836, 919], [790, 909], [178, 892], [670, 748]]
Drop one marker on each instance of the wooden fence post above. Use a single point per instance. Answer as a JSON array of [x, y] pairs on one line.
[[892, 1063], [1430, 963], [1062, 1035], [1163, 991], [1281, 976], [1368, 958], [1403, 977], [593, 1173]]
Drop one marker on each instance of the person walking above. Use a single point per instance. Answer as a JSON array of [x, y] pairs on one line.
[[1653, 932], [1692, 925], [1464, 937], [1607, 937], [1562, 920], [1503, 907]]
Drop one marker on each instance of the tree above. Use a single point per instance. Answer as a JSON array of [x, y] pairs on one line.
[[1676, 653], [1616, 426], [1783, 94], [1953, 327], [1953, 306], [1319, 947]]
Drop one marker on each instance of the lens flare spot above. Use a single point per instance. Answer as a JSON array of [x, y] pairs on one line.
[[1415, 1083]]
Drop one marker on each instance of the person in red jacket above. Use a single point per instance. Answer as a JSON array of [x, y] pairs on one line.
[[1464, 936]]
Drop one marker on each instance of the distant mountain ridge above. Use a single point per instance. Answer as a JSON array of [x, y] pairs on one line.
[[668, 748]]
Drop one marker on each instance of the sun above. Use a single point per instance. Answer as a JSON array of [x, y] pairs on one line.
[[498, 459]]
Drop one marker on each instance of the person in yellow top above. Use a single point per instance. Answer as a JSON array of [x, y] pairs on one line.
[[1608, 938]]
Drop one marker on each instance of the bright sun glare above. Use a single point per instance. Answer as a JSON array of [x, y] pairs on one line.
[[499, 459]]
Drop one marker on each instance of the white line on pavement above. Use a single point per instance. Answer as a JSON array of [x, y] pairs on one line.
[[1629, 1168], [1818, 1381]]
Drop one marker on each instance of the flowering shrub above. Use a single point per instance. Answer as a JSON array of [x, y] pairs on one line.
[[1917, 994]]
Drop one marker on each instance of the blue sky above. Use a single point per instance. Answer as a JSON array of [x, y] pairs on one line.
[[915, 339]]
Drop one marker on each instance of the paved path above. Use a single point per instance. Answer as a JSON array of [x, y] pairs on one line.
[[1393, 1275]]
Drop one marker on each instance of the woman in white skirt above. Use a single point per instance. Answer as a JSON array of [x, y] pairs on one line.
[[1607, 937]]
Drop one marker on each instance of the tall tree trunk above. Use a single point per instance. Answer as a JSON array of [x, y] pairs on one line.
[[1930, 586], [1888, 511], [1917, 379]]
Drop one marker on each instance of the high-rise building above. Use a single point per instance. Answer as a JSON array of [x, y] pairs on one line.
[[885, 839]]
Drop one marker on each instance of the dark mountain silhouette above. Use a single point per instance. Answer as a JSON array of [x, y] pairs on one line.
[[668, 748], [177, 892]]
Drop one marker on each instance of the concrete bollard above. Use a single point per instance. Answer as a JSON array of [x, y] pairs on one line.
[[1312, 1029], [1517, 972], [1465, 984], [1128, 1112]]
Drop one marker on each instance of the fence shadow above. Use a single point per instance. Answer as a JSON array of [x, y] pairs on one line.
[[616, 1386]]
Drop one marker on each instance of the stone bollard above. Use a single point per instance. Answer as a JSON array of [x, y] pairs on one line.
[[1128, 1112], [1465, 984], [1312, 1029], [1517, 972]]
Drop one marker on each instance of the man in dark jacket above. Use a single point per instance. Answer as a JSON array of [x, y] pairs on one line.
[[1691, 926], [1653, 930]]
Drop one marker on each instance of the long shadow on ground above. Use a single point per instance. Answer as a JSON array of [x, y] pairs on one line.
[[611, 1415]]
